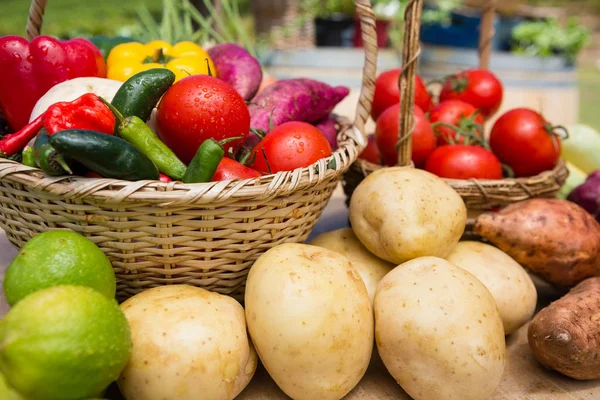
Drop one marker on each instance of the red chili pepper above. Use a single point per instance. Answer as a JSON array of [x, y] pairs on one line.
[[15, 142], [165, 179], [30, 69], [85, 112]]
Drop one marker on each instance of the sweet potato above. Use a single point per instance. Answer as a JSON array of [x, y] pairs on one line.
[[554, 239], [300, 99], [238, 68], [329, 128], [565, 336]]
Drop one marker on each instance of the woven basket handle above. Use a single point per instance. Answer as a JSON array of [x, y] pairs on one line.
[[369, 36], [410, 55], [36, 16], [486, 34]]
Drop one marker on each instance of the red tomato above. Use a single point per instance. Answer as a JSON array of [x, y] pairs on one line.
[[164, 178], [524, 141], [387, 93], [458, 114], [229, 169], [478, 87], [289, 146], [197, 108], [386, 136], [371, 152], [460, 161]]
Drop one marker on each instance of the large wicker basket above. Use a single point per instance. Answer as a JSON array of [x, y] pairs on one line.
[[478, 195], [206, 235]]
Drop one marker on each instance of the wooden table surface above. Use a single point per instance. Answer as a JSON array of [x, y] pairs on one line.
[[523, 379]]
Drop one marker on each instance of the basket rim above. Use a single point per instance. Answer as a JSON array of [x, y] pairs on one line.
[[369, 167], [180, 194]]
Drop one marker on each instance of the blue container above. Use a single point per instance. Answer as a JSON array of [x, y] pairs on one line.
[[463, 32]]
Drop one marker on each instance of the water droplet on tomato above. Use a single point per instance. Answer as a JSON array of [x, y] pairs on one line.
[[30, 58], [296, 136], [17, 56]]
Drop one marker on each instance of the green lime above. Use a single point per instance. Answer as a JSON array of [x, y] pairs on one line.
[[64, 343], [58, 258], [6, 392]]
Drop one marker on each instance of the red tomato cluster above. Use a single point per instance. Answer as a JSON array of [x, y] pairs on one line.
[[448, 136], [186, 117]]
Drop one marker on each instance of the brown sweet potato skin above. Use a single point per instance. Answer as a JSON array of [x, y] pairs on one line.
[[554, 239], [565, 336]]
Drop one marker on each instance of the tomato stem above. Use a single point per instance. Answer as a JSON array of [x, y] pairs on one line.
[[508, 171], [266, 160]]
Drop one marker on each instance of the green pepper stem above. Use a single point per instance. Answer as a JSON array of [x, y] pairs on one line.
[[61, 161]]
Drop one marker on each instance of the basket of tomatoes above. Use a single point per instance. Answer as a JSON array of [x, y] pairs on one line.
[[177, 161], [516, 159]]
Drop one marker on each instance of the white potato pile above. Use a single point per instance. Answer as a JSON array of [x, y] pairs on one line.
[[437, 310]]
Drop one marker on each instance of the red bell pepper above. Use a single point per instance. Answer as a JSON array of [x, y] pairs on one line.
[[29, 69], [85, 112]]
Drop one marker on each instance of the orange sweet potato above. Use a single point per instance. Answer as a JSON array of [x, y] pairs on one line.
[[554, 239], [565, 336]]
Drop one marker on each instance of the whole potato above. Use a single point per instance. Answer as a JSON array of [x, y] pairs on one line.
[[512, 288], [370, 268], [438, 331], [310, 319], [401, 213], [188, 344]]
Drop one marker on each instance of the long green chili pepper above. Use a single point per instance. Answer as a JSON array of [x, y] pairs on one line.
[[203, 166], [47, 158], [28, 158], [135, 131]]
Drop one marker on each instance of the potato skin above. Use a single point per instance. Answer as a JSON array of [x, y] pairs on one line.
[[438, 331], [555, 239], [565, 336], [371, 268], [512, 288], [188, 344], [402, 213], [310, 319]]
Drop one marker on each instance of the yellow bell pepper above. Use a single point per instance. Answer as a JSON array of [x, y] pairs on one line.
[[184, 59]]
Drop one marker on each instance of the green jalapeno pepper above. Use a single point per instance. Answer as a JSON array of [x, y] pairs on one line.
[[47, 158], [203, 166]]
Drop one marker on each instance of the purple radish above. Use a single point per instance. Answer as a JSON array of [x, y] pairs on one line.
[[329, 128], [238, 68]]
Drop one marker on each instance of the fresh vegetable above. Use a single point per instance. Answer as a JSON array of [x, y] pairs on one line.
[[195, 340], [164, 178], [587, 195], [565, 337], [300, 99], [575, 178], [140, 94], [73, 89], [30, 69], [370, 268], [512, 288], [386, 136], [395, 212], [455, 121], [460, 161], [289, 146], [86, 112], [47, 158], [387, 93], [15, 142], [329, 128], [236, 66], [311, 320], [105, 44], [198, 108], [478, 87], [438, 331], [135, 131], [28, 158], [183, 59], [229, 169], [526, 142], [555, 239], [205, 162], [371, 153], [581, 149], [109, 156]]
